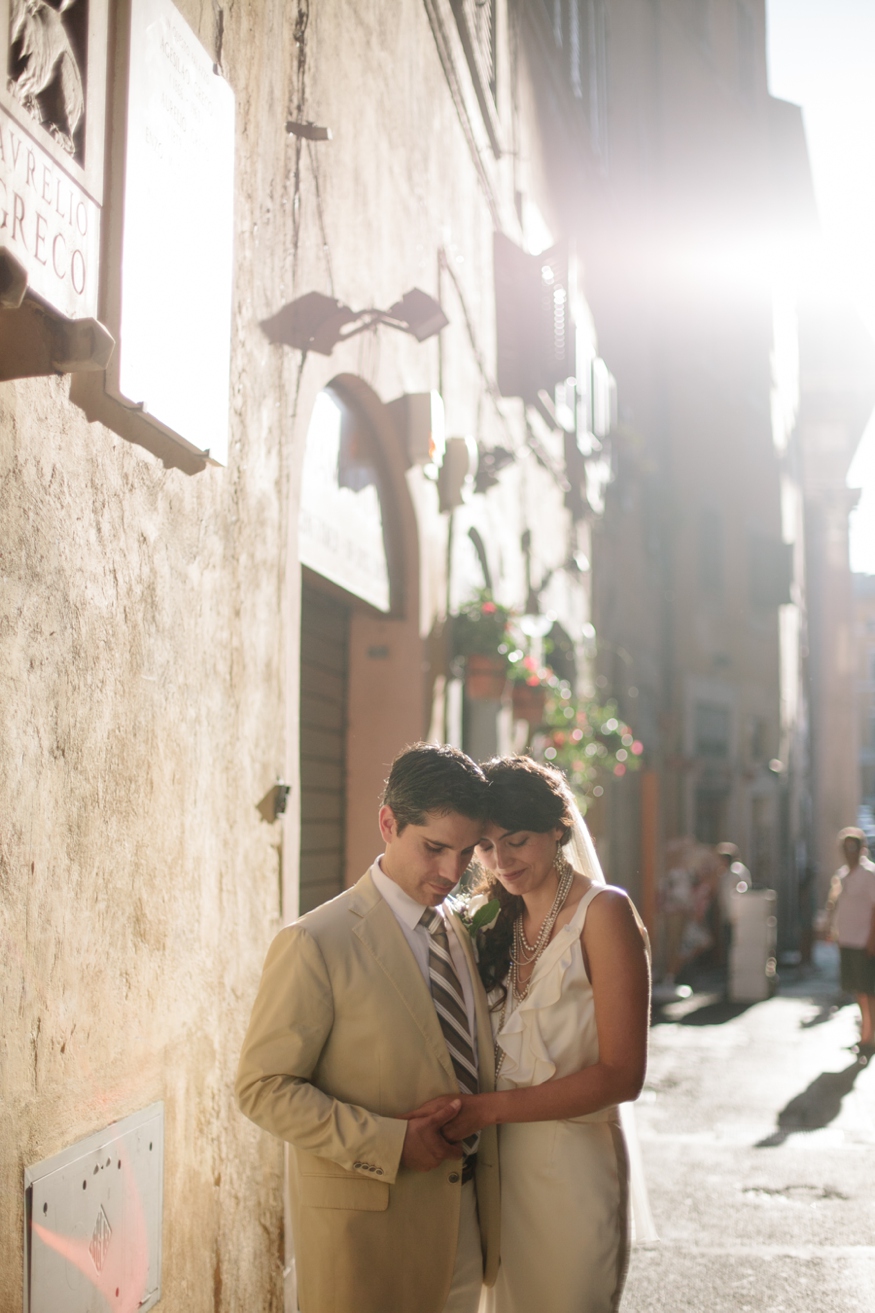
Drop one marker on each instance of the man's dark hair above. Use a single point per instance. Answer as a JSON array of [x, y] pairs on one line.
[[436, 778]]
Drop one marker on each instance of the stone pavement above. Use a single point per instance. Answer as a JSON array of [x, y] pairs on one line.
[[757, 1127]]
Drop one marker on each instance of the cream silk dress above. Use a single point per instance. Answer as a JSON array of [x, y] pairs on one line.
[[564, 1185]]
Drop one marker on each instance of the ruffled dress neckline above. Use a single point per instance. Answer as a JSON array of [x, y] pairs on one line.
[[524, 1030]]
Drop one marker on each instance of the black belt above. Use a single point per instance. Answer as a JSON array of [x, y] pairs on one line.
[[469, 1166]]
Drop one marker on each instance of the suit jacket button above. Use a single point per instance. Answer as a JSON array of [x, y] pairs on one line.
[[356, 1166], [379, 1171], [454, 1177]]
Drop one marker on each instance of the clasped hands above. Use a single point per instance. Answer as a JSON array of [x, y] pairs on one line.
[[435, 1129]]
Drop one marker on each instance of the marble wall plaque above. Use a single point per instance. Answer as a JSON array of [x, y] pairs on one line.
[[52, 100], [174, 330], [48, 222]]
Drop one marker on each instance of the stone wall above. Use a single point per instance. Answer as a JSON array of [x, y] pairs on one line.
[[140, 702], [149, 632]]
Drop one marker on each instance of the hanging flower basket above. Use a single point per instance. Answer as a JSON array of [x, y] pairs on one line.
[[529, 702], [485, 676]]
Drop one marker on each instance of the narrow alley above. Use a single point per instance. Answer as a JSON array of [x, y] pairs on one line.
[[753, 1126]]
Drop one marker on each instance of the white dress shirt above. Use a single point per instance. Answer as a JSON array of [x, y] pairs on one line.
[[407, 913], [856, 904]]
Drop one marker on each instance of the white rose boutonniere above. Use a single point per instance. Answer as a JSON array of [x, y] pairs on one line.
[[477, 913]]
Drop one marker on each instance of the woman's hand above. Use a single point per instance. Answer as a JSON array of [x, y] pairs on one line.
[[474, 1114], [434, 1105]]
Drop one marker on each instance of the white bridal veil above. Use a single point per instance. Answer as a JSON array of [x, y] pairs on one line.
[[580, 849], [581, 853]]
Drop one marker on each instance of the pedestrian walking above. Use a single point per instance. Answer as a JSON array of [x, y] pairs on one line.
[[851, 906]]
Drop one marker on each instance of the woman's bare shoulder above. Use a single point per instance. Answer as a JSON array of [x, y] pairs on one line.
[[612, 910]]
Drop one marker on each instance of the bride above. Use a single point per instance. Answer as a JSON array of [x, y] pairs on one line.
[[567, 971]]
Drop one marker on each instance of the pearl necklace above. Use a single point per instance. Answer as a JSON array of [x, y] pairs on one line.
[[525, 954]]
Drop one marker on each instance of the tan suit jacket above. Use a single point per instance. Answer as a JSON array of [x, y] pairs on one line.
[[343, 1039]]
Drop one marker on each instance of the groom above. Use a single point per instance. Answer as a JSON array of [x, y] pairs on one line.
[[345, 1038]]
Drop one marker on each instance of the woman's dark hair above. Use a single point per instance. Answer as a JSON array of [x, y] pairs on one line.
[[436, 778], [523, 795]]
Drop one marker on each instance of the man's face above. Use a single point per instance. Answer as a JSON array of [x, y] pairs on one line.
[[428, 861], [852, 849]]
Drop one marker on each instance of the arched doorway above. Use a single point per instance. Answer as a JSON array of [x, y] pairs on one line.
[[362, 686]]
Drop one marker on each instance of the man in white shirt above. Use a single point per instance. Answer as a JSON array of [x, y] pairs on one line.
[[852, 906], [369, 1007]]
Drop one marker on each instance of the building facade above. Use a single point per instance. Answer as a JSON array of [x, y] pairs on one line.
[[320, 323], [262, 438], [703, 561]]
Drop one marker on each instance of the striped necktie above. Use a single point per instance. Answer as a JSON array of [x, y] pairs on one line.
[[449, 1002]]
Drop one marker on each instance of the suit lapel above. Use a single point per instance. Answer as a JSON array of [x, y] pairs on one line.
[[383, 937], [485, 1046]]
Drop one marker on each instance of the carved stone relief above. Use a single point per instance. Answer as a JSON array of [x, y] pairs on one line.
[[48, 49]]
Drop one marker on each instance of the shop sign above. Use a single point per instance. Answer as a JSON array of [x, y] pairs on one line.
[[48, 223], [52, 100]]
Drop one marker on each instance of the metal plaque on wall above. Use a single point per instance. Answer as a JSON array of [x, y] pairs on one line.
[[172, 317], [93, 1221], [52, 124]]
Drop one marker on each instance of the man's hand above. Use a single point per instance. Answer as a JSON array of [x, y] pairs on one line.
[[424, 1146], [474, 1112]]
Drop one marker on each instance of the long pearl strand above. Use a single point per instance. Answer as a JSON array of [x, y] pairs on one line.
[[565, 872]]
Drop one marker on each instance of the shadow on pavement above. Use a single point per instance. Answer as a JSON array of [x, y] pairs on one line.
[[698, 1010], [825, 1013], [815, 1107], [714, 1014]]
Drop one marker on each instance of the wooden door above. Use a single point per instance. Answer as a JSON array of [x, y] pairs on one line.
[[324, 692]]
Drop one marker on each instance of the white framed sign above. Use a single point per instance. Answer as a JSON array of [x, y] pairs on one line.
[[176, 249]]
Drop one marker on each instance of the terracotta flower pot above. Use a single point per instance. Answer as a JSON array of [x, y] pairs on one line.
[[528, 702], [485, 676]]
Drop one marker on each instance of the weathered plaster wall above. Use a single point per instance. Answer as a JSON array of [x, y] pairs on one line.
[[140, 717], [149, 637]]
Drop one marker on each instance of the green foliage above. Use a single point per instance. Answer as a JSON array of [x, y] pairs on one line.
[[525, 670], [587, 741], [481, 628]]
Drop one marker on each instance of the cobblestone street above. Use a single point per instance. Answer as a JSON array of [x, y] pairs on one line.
[[758, 1133]]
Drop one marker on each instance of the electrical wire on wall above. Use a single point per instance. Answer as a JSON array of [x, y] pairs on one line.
[[314, 166], [219, 15], [302, 19]]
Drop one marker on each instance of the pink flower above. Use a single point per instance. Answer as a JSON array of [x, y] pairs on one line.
[[533, 681], [530, 663], [619, 769], [488, 608], [637, 748]]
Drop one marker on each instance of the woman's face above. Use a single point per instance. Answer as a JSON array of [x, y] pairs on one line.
[[522, 859]]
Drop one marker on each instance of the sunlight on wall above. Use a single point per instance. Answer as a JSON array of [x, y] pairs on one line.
[[820, 57]]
